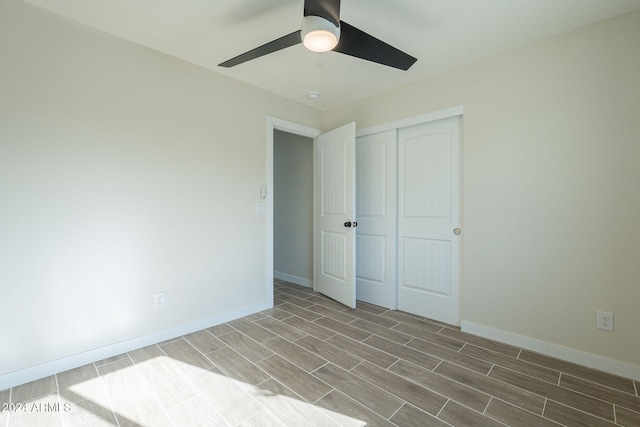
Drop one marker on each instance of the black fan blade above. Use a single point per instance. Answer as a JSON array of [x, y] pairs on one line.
[[273, 46], [327, 9], [355, 42]]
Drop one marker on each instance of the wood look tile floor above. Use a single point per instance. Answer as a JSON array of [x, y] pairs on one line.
[[310, 361]]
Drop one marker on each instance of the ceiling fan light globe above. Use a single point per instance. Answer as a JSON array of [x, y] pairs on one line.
[[318, 34], [320, 41]]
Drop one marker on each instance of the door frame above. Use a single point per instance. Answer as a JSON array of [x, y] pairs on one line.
[[414, 120], [273, 124]]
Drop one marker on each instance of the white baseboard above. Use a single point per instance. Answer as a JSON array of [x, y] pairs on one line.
[[293, 279], [46, 369], [554, 350]]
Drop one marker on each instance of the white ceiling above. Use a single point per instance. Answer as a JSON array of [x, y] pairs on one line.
[[442, 34]]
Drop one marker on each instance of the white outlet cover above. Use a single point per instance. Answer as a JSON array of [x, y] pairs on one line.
[[159, 300], [605, 321]]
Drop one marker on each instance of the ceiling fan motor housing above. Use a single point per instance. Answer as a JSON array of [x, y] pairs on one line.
[[318, 34]]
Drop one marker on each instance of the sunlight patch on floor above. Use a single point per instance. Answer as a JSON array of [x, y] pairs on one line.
[[162, 391]]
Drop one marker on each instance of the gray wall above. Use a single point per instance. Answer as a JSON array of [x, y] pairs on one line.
[[293, 207]]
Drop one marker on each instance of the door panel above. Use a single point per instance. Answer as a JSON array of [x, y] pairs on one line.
[[428, 212], [376, 174], [427, 266], [427, 176], [334, 187], [333, 157], [370, 258], [334, 247]]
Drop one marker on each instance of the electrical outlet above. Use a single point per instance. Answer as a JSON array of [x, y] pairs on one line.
[[605, 321], [158, 300]]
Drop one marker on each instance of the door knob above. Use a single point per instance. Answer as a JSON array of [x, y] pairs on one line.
[[347, 224], [457, 231]]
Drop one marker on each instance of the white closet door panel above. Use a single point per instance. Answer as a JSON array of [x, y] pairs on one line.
[[429, 198], [371, 171], [427, 176], [371, 258], [376, 201], [427, 266]]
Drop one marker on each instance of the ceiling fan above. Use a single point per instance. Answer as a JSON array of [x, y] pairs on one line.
[[322, 31]]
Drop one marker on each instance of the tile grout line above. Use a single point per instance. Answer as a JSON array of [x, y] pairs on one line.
[[598, 417], [484, 392], [55, 377], [380, 336], [484, 411], [437, 366], [196, 349], [449, 399], [388, 369], [151, 389], [491, 396], [585, 378], [104, 390], [291, 326], [300, 367], [601, 399], [376, 387], [396, 411], [201, 394], [488, 374], [242, 356], [324, 395], [431, 390], [6, 424], [441, 358], [577, 392], [195, 386], [442, 409], [265, 408], [368, 345]]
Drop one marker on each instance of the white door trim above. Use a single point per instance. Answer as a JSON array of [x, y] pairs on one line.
[[274, 123], [415, 120]]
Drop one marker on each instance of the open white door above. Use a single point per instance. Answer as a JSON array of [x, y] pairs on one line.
[[334, 212]]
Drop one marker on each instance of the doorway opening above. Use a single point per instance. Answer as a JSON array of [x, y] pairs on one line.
[[293, 208], [279, 130]]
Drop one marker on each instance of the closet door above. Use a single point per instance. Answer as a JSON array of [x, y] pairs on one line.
[[429, 219], [376, 177]]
